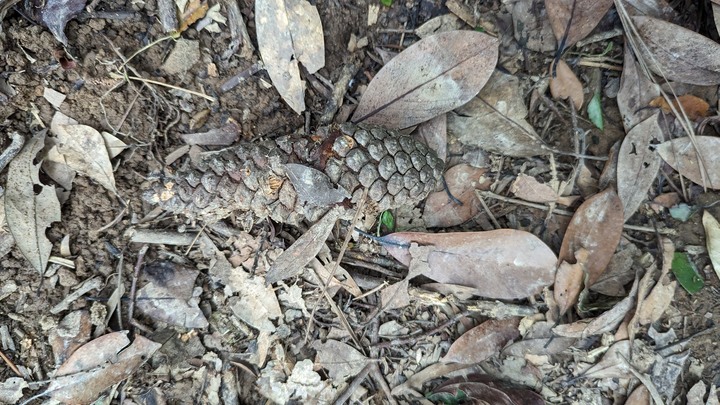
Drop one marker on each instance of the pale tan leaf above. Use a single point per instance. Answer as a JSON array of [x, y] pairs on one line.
[[482, 341], [462, 181], [29, 214], [564, 84], [569, 283], [656, 302], [636, 91], [340, 359], [613, 364], [639, 396], [681, 154], [638, 164], [434, 134], [289, 32], [529, 189], [395, 296], [85, 151], [531, 25], [98, 365], [712, 239], [504, 263], [441, 23], [433, 76], [583, 16], [596, 226], [495, 120], [678, 53]]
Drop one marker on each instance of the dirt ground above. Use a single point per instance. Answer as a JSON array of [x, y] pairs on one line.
[[149, 119]]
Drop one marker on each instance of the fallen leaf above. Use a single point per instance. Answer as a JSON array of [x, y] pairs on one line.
[[441, 210], [431, 77], [638, 164], [482, 341], [573, 20], [97, 365], [683, 157], [712, 240], [441, 23], [564, 84], [677, 53], [55, 14], [434, 134], [529, 189], [636, 90], [84, 150], [596, 227], [504, 264], [639, 396], [531, 25], [613, 364], [195, 10], [339, 359], [226, 135], [11, 389], [29, 213], [289, 32], [569, 282], [495, 120], [657, 302], [314, 187], [687, 273], [395, 295], [482, 389], [695, 108], [168, 295]]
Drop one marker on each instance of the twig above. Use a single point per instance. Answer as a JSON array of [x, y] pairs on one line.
[[143, 80], [230, 83], [354, 385], [488, 212], [133, 285], [10, 364], [11, 151]]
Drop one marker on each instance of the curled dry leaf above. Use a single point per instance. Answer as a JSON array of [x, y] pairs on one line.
[[504, 264], [596, 227], [682, 155], [433, 76], [99, 364], [638, 164], [712, 239], [636, 91], [564, 84], [482, 341], [569, 282], [582, 15], [695, 108], [495, 120], [85, 151], [483, 389], [29, 214], [289, 32], [462, 181], [677, 53]]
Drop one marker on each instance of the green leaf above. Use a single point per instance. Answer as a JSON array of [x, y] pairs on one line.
[[686, 273], [386, 3], [448, 398], [682, 212], [594, 110], [386, 223]]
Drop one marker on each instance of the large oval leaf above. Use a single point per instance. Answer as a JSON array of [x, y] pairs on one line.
[[582, 16], [433, 76], [679, 54], [504, 264], [684, 157]]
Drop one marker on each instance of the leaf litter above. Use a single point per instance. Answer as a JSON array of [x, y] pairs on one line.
[[289, 334]]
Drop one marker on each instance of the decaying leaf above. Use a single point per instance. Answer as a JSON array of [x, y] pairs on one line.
[[614, 363], [84, 150], [596, 227], [712, 239], [678, 53], [55, 14], [289, 32], [434, 134], [340, 359], [482, 341], [482, 389], [99, 364], [695, 108], [195, 10], [564, 84], [431, 77], [569, 282], [638, 164], [681, 154], [29, 214], [529, 189], [504, 264], [168, 295], [495, 120], [636, 90], [581, 15], [314, 187], [531, 25], [462, 180]]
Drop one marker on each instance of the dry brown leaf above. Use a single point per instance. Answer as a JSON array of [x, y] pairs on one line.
[[292, 261], [638, 164], [289, 32], [636, 91], [433, 76], [482, 341], [195, 10], [495, 120], [569, 282], [655, 304], [504, 263], [683, 157], [678, 53], [84, 150], [531, 25], [484, 389], [597, 227], [395, 295], [695, 108], [613, 364], [340, 359], [98, 365], [582, 15], [564, 84], [29, 213], [462, 181], [168, 295], [712, 240], [639, 396], [434, 134], [529, 189]]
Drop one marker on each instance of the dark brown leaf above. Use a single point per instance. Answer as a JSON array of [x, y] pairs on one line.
[[583, 16], [462, 181]]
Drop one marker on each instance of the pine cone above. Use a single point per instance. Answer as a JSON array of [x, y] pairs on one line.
[[250, 179]]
